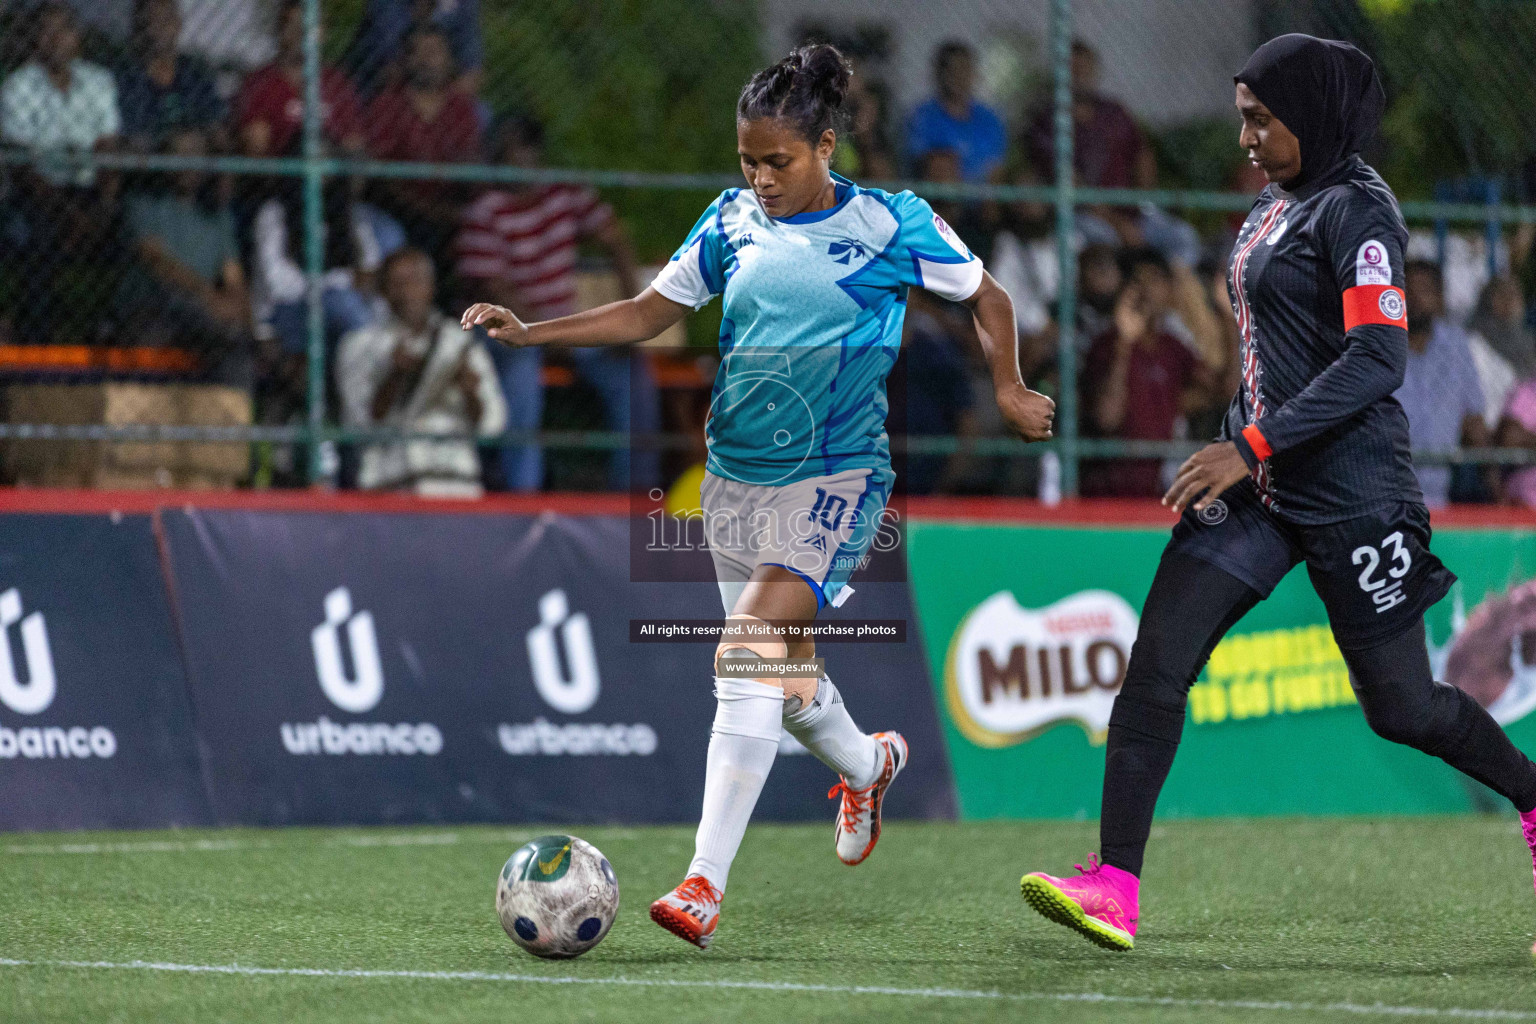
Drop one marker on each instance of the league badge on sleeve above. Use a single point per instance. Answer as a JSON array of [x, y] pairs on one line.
[[1372, 265], [948, 234]]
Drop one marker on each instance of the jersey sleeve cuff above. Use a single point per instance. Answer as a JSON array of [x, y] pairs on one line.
[[1252, 446], [677, 291]]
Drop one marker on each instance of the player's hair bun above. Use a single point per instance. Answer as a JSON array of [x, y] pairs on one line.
[[807, 87], [827, 71]]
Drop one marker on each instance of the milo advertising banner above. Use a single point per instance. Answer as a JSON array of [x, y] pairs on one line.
[[1029, 630]]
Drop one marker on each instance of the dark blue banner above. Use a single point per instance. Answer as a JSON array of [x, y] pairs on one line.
[[393, 668], [95, 730]]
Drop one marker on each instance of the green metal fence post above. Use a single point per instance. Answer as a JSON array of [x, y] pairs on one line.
[[314, 237], [1066, 258]]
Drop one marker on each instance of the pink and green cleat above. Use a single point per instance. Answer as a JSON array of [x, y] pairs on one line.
[[1099, 904], [1528, 826]]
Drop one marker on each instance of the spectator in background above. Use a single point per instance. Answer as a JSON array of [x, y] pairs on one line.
[[955, 120], [1440, 391], [1517, 429], [971, 221], [69, 216], [1100, 283], [375, 55], [868, 155], [517, 248], [56, 102], [1108, 150], [269, 112], [161, 91], [350, 256], [1139, 380], [417, 371], [187, 287], [1503, 348], [1023, 259], [931, 395], [1225, 341], [426, 120]]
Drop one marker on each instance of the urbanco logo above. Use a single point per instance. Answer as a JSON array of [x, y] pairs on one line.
[[358, 694], [365, 689], [34, 695], [571, 690]]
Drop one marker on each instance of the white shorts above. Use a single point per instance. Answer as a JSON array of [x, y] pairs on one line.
[[820, 529]]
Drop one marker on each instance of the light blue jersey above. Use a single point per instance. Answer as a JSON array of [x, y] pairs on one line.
[[812, 324]]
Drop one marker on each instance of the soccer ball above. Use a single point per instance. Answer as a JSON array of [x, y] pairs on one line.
[[557, 896]]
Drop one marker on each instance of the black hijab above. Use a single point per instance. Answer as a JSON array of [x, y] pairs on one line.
[[1325, 91]]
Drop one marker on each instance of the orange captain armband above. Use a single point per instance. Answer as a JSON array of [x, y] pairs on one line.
[[1261, 449], [1374, 304]]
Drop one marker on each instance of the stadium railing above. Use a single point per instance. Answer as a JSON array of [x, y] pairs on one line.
[[316, 167]]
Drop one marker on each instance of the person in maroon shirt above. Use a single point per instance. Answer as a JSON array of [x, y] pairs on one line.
[[1138, 377], [425, 119], [1108, 149], [269, 111]]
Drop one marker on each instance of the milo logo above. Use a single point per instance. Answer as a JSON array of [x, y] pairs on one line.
[[1011, 671], [545, 859]]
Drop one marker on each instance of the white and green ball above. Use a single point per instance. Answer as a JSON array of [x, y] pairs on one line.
[[557, 896]]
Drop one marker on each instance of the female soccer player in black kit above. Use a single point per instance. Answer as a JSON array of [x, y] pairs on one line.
[[1312, 466]]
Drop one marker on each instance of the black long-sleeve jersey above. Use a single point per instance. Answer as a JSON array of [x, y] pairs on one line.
[[1316, 283]]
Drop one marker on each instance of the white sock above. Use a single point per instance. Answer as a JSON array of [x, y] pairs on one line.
[[742, 745], [825, 730]]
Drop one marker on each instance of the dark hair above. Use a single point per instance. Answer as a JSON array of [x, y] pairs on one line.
[[1142, 256], [1099, 252], [1429, 267], [806, 88], [52, 7], [141, 13], [336, 209], [428, 29], [948, 50], [400, 255], [518, 127]]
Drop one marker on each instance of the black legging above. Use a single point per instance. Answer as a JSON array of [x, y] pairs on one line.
[[1191, 606]]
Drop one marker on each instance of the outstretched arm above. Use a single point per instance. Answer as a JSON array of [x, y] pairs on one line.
[[618, 323]]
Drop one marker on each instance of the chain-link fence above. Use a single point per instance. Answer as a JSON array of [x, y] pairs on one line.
[[235, 234]]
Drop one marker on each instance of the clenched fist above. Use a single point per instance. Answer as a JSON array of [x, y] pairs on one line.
[[1027, 413]]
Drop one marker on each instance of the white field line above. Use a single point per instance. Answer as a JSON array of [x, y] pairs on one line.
[[1282, 1006], [225, 845]]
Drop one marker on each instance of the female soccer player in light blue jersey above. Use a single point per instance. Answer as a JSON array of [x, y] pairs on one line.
[[814, 271]]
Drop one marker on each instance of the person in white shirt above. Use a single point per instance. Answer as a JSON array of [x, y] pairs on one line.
[[52, 105], [418, 371], [56, 101]]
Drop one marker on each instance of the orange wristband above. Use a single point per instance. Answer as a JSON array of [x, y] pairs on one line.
[[1256, 441]]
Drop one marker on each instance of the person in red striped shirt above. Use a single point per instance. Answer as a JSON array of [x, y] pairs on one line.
[[517, 247]]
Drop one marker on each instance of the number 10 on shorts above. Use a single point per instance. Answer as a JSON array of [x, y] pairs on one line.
[[1386, 594], [828, 510]]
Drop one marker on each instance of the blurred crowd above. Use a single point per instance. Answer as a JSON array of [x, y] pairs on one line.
[[214, 264], [1155, 334]]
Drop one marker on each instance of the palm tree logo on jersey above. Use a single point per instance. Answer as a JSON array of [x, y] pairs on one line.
[[845, 249]]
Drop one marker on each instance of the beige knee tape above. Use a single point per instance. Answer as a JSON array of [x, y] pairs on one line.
[[799, 688], [763, 645]]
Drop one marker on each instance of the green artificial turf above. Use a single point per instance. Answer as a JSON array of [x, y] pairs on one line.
[[1417, 914]]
